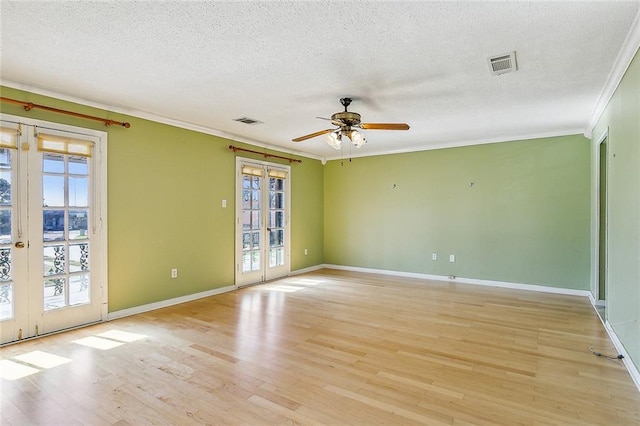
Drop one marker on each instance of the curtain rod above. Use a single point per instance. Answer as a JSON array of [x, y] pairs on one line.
[[289, 159], [28, 106]]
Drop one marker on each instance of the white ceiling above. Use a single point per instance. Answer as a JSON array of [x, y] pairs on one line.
[[284, 63]]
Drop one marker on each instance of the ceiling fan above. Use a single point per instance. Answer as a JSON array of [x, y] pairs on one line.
[[348, 122]]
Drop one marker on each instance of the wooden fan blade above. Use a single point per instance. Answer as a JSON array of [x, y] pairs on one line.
[[334, 122], [312, 135], [384, 126]]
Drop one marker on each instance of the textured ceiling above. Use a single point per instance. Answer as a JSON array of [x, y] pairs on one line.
[[284, 63]]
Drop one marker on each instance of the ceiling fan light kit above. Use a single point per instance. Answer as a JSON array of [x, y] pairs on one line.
[[357, 139], [348, 122], [334, 139]]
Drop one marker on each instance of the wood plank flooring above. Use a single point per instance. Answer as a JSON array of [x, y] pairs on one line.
[[330, 347]]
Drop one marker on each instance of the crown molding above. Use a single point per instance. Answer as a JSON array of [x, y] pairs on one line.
[[155, 118], [620, 65], [469, 142]]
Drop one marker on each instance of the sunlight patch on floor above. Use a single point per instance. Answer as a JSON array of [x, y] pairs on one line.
[[98, 343], [42, 359], [284, 288], [12, 370], [306, 281]]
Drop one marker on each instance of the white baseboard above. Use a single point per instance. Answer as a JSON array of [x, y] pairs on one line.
[[182, 299], [386, 272], [631, 367], [472, 281], [517, 286], [527, 287], [305, 270], [169, 302]]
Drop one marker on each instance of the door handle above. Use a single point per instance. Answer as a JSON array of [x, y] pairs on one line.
[[19, 244]]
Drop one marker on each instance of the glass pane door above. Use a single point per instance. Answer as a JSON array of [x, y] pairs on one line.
[[251, 266], [277, 228], [13, 253], [65, 230], [262, 232], [50, 247], [7, 213]]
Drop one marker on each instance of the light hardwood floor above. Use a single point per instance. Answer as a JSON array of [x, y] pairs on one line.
[[331, 347]]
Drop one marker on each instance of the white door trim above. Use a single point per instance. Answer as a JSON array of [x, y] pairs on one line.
[[99, 222], [595, 285], [238, 220]]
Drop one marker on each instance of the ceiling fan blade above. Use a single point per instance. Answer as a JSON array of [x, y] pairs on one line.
[[334, 122], [312, 135], [384, 126]]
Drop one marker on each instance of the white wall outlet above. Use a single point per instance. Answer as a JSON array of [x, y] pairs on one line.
[[224, 203], [434, 256], [452, 258], [174, 273], [306, 252]]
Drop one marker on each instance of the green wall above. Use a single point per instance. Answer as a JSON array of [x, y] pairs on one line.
[[622, 119], [165, 186], [514, 212], [307, 207]]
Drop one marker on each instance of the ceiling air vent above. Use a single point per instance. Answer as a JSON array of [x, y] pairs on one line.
[[247, 120], [502, 64]]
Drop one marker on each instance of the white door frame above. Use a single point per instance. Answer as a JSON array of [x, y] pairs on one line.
[[286, 268], [595, 289], [99, 271]]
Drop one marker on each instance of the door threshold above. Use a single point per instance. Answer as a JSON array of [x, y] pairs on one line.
[[64, 330], [261, 282]]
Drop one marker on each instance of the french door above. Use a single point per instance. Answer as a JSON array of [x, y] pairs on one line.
[[52, 242], [262, 221]]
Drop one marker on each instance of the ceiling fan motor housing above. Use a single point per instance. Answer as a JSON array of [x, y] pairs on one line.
[[347, 117]]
